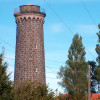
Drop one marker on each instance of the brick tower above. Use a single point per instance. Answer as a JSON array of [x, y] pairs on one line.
[[29, 60]]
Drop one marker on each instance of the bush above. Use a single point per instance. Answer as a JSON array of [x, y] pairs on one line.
[[32, 91]]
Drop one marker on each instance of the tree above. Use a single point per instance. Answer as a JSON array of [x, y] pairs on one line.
[[97, 68], [5, 83], [32, 91], [74, 73], [63, 97]]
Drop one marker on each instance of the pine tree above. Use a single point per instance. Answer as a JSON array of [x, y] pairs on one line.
[[74, 73], [97, 68], [5, 83]]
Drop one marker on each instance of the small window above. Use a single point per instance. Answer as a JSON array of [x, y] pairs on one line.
[[36, 70], [29, 18], [24, 17], [35, 46], [33, 17]]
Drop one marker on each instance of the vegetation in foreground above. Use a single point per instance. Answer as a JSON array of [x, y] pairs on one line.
[[74, 73], [24, 91]]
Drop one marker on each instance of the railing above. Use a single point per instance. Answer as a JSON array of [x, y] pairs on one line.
[[16, 10], [43, 10]]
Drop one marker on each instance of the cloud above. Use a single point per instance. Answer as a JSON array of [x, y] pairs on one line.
[[10, 70], [56, 28], [87, 29], [52, 81], [10, 59]]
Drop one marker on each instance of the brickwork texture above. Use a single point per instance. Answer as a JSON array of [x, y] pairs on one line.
[[29, 60]]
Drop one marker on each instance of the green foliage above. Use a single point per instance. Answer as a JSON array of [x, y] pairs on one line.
[[32, 91], [23, 91], [97, 69], [74, 74], [5, 83]]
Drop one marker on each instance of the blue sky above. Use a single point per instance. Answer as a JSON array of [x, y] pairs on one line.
[[79, 18]]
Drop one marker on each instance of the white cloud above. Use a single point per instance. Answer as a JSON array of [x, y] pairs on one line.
[[10, 70], [87, 29], [56, 28], [10, 59], [52, 81]]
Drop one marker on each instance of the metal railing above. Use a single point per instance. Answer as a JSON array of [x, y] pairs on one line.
[[42, 10], [16, 10]]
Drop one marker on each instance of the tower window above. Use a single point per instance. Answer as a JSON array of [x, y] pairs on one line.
[[35, 46], [29, 17], [33, 17], [24, 17], [36, 70]]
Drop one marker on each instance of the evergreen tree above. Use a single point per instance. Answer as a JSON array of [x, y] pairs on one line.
[[32, 91], [74, 73], [5, 83], [97, 68]]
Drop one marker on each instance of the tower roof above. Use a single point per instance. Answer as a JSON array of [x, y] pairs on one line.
[[29, 5], [29, 9]]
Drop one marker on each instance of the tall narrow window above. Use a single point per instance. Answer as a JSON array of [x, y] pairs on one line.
[[36, 70], [35, 46]]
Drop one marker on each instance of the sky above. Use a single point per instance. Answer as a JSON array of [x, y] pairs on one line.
[[64, 18]]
